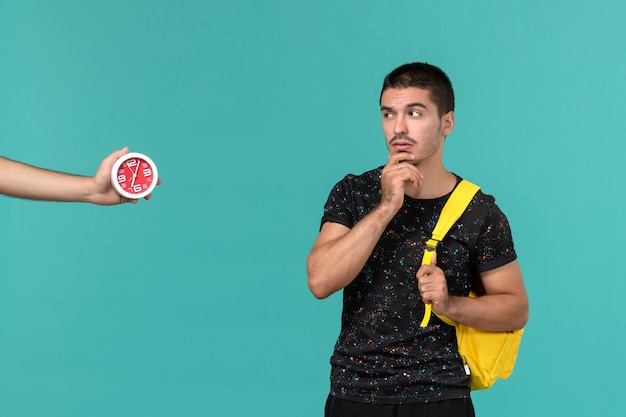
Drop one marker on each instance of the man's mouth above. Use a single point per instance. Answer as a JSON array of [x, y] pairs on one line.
[[402, 144]]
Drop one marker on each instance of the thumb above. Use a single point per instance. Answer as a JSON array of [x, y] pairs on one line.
[[433, 260], [116, 154]]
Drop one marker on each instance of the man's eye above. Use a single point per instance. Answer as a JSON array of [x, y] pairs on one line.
[[414, 113], [387, 115]]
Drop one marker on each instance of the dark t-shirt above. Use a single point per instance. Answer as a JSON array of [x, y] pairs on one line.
[[382, 354]]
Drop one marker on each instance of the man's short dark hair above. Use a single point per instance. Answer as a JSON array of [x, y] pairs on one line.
[[424, 76]]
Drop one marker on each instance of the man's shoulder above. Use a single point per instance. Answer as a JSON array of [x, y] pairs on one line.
[[373, 175]]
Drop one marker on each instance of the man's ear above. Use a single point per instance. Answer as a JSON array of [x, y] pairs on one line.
[[448, 123]]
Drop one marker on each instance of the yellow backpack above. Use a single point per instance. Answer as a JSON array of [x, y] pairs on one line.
[[487, 355]]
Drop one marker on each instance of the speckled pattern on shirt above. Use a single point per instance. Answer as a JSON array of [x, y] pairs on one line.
[[382, 354]]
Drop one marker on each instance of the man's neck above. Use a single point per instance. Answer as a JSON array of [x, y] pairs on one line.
[[435, 185]]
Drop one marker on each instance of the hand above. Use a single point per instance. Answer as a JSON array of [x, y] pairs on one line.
[[102, 192], [432, 284], [395, 176]]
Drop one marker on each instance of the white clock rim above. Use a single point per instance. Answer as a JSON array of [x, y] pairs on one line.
[[116, 166]]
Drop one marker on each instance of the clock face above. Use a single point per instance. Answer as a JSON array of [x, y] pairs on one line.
[[134, 175]]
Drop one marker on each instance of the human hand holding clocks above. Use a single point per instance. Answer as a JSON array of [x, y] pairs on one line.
[[99, 188]]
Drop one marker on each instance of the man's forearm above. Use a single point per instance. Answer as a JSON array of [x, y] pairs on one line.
[[500, 312], [334, 263], [25, 181]]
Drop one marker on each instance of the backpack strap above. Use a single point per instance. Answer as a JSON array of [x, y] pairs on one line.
[[452, 210]]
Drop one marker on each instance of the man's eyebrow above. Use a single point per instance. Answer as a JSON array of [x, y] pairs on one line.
[[408, 106]]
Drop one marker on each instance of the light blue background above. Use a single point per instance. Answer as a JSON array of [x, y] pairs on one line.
[[195, 303]]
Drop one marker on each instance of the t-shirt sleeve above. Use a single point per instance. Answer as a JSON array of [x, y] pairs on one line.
[[495, 243], [338, 207]]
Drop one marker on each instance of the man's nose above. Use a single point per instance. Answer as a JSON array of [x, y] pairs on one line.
[[399, 127]]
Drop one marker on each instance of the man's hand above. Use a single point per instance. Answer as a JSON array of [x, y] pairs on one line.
[[395, 176], [503, 307], [101, 190], [432, 284]]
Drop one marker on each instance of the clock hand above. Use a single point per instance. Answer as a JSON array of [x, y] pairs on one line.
[[132, 184], [137, 169]]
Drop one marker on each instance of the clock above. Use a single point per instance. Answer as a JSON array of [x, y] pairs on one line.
[[134, 175]]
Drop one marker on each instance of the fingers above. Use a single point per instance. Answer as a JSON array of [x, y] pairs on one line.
[[107, 163], [433, 291], [398, 164], [432, 285], [428, 274], [395, 163], [116, 154], [400, 157]]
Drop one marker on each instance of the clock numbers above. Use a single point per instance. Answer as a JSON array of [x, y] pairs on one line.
[[131, 170], [134, 176]]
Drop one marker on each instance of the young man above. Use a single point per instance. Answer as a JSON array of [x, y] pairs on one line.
[[373, 234], [25, 181]]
